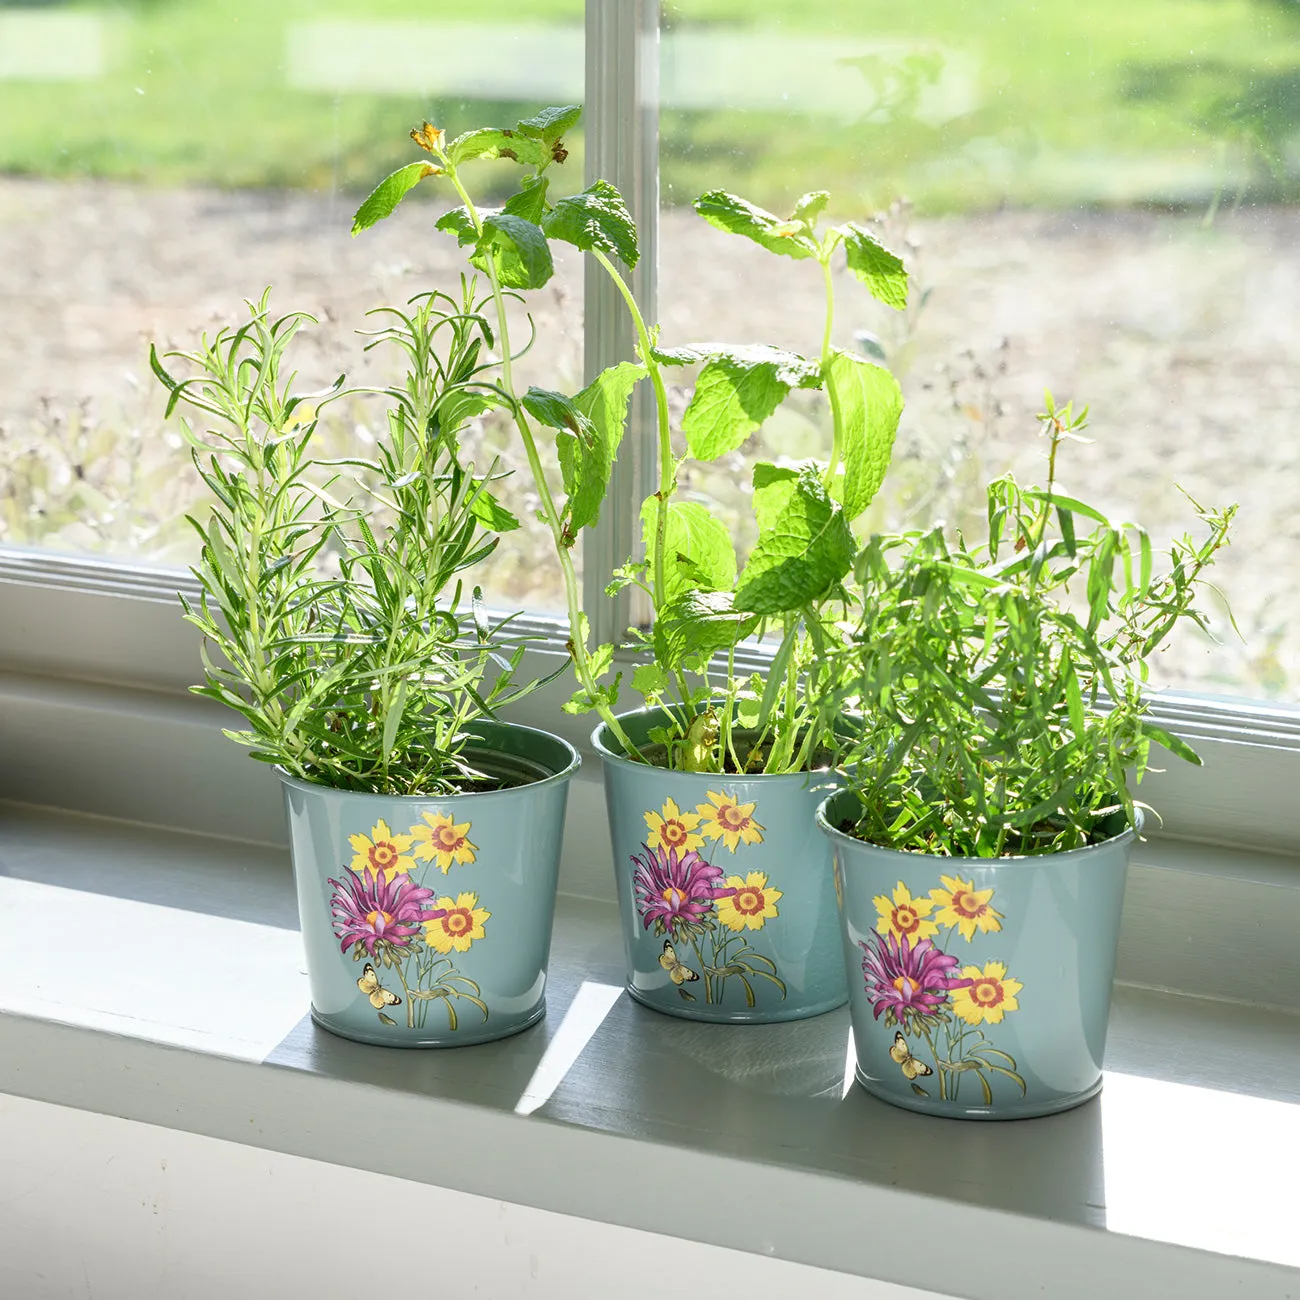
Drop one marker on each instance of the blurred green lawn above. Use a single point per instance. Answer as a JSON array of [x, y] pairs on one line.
[[1100, 101]]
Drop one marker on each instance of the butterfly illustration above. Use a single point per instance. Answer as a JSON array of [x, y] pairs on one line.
[[379, 996], [900, 1052], [677, 970]]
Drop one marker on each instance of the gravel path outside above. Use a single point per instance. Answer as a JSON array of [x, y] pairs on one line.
[[1182, 338]]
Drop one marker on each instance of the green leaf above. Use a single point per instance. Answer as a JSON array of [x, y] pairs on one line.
[[386, 1019], [697, 626], [1068, 503], [596, 218], [649, 679], [604, 402], [869, 404], [393, 720], [804, 544], [698, 551], [1174, 744], [590, 429], [489, 142], [530, 201], [739, 217], [810, 207], [879, 269], [459, 223], [584, 447], [492, 514], [736, 391], [389, 193], [551, 123], [518, 248]]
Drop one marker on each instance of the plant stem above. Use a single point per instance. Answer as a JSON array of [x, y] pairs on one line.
[[550, 513], [837, 418], [667, 462], [410, 1004]]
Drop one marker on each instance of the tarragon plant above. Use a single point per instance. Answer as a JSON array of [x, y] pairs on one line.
[[332, 590], [1002, 685]]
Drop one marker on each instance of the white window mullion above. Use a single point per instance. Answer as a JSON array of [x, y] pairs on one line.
[[622, 124]]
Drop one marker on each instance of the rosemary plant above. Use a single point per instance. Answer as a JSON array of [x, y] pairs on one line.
[[1003, 686], [331, 589]]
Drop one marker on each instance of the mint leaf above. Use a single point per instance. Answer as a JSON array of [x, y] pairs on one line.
[[586, 453], [458, 223], [698, 551], [870, 405], [697, 626], [530, 201], [489, 142], [492, 514], [739, 217], [736, 391], [804, 544], [774, 485], [551, 123], [381, 201], [649, 679], [604, 403], [553, 409], [810, 207], [518, 248], [879, 269], [596, 218]]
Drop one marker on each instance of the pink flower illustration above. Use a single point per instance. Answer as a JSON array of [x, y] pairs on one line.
[[369, 910], [674, 889], [905, 978]]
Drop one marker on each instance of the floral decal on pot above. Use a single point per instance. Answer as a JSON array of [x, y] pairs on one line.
[[937, 1007], [704, 915], [384, 914]]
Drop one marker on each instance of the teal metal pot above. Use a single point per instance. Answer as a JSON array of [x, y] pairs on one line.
[[427, 921], [725, 894], [979, 987]]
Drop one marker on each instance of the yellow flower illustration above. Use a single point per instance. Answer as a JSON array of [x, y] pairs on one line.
[[455, 924], [904, 915], [673, 829], [381, 851], [442, 841], [731, 822], [750, 903], [989, 995], [962, 905]]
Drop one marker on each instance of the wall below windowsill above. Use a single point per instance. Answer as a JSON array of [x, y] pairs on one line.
[[161, 981]]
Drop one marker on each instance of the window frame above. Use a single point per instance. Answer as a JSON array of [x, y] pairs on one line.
[[71, 623]]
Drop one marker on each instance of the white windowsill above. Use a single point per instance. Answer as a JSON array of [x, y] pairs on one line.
[[170, 990]]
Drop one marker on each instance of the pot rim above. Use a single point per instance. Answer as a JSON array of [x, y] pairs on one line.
[[574, 762], [1012, 861], [609, 755]]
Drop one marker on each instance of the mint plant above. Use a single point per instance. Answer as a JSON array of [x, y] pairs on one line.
[[332, 589], [705, 604], [1002, 686]]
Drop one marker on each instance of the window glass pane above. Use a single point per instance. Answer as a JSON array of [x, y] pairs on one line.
[[1097, 198], [162, 161]]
